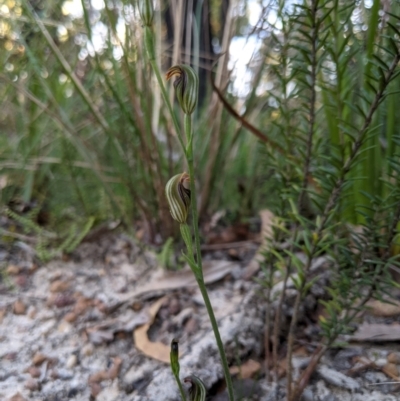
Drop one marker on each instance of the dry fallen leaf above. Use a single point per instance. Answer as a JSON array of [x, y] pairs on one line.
[[394, 357], [247, 369], [391, 370], [155, 350]]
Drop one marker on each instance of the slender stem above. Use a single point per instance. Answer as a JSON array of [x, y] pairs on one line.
[[166, 100], [199, 277], [193, 199], [178, 381], [214, 324]]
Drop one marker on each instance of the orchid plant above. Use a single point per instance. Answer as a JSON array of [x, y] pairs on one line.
[[181, 190]]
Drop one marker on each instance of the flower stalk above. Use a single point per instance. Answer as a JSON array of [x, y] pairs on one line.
[[186, 86], [178, 194]]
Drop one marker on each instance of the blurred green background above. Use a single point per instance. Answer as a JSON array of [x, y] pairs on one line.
[[85, 136]]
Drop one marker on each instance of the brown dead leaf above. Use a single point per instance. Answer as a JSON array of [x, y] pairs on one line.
[[391, 370], [268, 220], [384, 309], [377, 332], [247, 369], [394, 357], [155, 350]]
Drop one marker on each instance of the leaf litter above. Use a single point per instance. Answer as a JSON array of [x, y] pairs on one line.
[[99, 325]]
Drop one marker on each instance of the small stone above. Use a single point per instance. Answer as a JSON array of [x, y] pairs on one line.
[[87, 349], [38, 358], [394, 357], [34, 371], [72, 361], [64, 327], [337, 379], [59, 286], [137, 306], [70, 317], [61, 374], [19, 307], [391, 369], [13, 270], [32, 385]]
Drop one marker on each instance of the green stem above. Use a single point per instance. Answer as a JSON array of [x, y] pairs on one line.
[[149, 43], [193, 197], [199, 278], [187, 237], [178, 381], [214, 324]]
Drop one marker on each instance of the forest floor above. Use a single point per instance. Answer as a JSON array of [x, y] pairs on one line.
[[97, 325]]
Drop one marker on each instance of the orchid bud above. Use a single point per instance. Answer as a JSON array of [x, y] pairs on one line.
[[197, 391], [174, 357], [186, 86], [146, 11], [177, 191]]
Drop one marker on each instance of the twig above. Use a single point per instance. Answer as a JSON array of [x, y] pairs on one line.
[[260, 135]]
